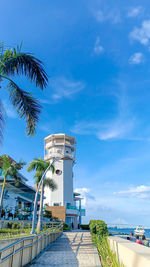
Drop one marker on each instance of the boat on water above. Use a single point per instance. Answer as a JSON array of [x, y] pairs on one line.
[[139, 230]]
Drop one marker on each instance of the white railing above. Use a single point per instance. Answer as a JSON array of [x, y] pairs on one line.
[[55, 155], [22, 252]]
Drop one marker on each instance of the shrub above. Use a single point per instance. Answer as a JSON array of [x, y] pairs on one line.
[[6, 230], [85, 226], [66, 227], [27, 226], [98, 229], [12, 225], [47, 214], [16, 226]]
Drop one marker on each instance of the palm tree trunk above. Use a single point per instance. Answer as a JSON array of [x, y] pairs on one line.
[[40, 219], [2, 195]]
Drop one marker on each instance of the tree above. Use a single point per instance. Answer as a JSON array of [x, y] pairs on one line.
[[14, 62], [40, 165], [9, 167]]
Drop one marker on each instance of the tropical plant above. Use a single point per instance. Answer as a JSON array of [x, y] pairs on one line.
[[11, 168], [40, 166], [99, 232], [14, 62]]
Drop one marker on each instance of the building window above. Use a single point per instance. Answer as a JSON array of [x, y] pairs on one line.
[[58, 172]]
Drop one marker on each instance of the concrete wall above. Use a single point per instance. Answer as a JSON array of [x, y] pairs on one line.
[[68, 181], [57, 195], [64, 192], [130, 253]]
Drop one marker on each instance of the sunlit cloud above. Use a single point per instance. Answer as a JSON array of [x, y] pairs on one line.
[[134, 11], [118, 128], [141, 191], [107, 15], [142, 34], [104, 130], [136, 58], [98, 48], [85, 194], [65, 88], [9, 110]]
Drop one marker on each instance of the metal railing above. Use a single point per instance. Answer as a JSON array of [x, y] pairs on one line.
[[23, 251], [69, 207], [74, 208]]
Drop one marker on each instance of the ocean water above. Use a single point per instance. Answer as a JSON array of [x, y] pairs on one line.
[[126, 231]]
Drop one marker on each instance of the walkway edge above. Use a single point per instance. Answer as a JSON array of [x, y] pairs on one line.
[[97, 258]]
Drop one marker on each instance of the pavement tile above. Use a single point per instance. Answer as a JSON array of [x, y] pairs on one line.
[[73, 249]]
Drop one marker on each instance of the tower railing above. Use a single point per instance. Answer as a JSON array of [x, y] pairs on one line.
[[55, 154]]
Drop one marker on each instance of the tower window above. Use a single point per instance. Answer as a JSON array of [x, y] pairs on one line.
[[58, 172]]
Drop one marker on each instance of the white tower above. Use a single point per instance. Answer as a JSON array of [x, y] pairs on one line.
[[60, 145]]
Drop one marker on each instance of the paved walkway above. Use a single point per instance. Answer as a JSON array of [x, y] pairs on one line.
[[73, 249]]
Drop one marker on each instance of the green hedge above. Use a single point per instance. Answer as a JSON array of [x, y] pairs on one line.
[[98, 229], [14, 225], [66, 227], [85, 226], [99, 234], [6, 230]]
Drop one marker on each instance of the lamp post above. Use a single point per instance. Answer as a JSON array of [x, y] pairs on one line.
[[36, 195]]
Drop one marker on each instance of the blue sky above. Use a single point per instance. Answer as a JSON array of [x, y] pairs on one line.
[[97, 56]]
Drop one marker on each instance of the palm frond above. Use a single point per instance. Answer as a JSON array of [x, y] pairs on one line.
[[50, 183], [15, 62], [19, 165], [32, 166], [5, 163], [27, 106], [37, 179], [52, 169], [37, 164], [11, 168]]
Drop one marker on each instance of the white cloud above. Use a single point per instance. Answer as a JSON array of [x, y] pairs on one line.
[[98, 48], [104, 130], [117, 128], [142, 34], [85, 194], [10, 111], [136, 58], [108, 15], [141, 191], [119, 221], [134, 11], [64, 88]]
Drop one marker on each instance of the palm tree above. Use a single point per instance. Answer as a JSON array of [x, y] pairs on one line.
[[14, 62], [40, 166], [9, 167]]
